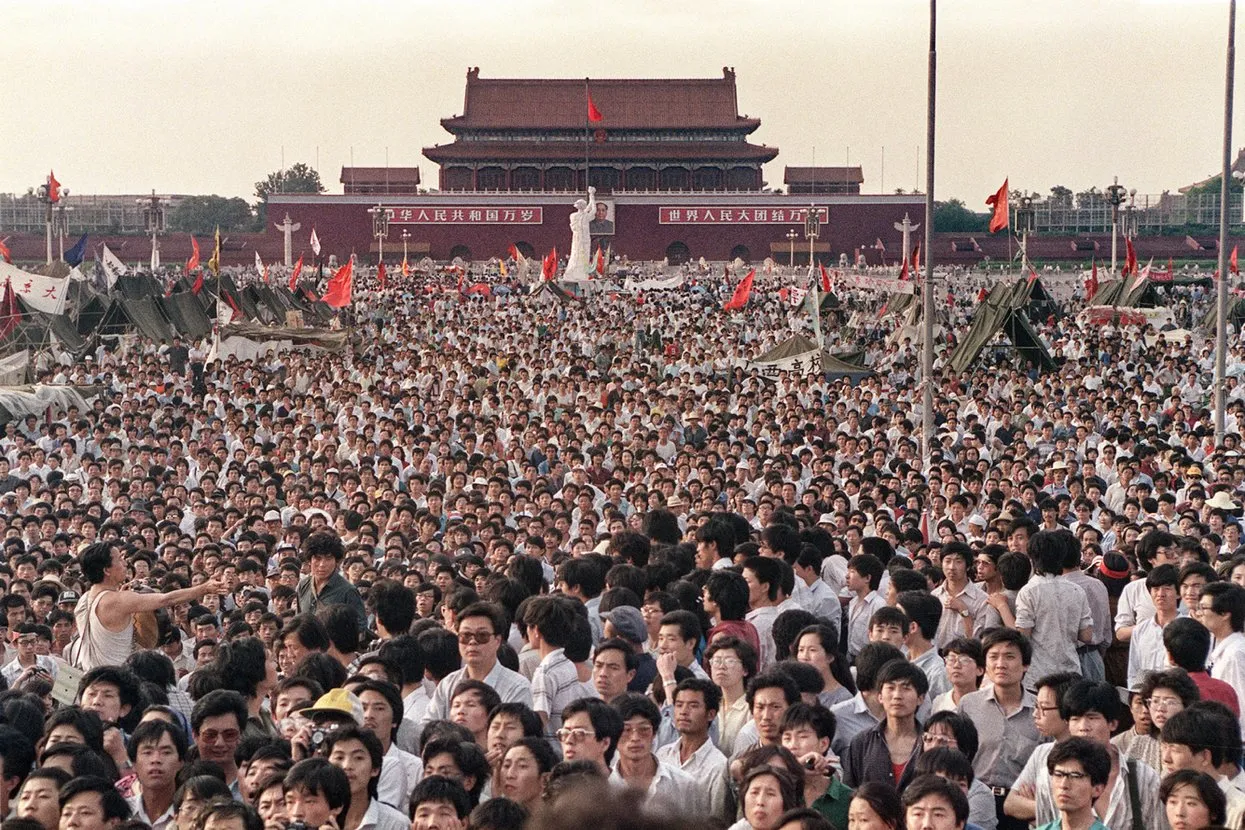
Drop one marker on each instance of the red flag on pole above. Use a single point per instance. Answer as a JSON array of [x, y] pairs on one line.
[[916, 259], [600, 262], [825, 278], [594, 114], [549, 268], [340, 287], [54, 188], [1130, 257], [4, 251], [193, 263], [1032, 275], [903, 270], [999, 202], [382, 277], [298, 269], [742, 291], [1091, 284], [198, 286], [1232, 262]]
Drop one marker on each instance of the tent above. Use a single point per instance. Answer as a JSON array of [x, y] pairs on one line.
[[247, 341], [546, 293], [799, 354], [1003, 311], [187, 315], [1236, 315], [1127, 293], [19, 401]]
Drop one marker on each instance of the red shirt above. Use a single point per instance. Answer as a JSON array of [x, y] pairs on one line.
[[1216, 690]]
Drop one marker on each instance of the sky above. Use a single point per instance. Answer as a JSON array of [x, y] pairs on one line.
[[193, 97]]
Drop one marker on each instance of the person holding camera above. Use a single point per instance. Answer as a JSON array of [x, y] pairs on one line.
[[28, 663]]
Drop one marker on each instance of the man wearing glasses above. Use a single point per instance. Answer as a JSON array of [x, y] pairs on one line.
[[1222, 608], [1079, 770], [590, 731], [480, 628]]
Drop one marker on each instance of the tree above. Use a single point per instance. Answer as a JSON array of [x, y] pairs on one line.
[[952, 216], [1060, 195], [203, 214], [297, 179]]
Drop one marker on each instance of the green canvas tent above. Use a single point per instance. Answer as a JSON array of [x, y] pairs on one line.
[[1002, 312]]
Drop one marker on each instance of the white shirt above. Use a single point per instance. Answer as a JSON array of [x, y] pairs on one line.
[[381, 817], [161, 823], [671, 791], [1146, 652], [399, 773], [762, 620], [707, 768], [511, 686], [1227, 661], [13, 669]]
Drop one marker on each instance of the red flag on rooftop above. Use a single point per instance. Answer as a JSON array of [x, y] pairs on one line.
[[298, 269], [594, 114], [999, 202], [340, 287], [742, 292]]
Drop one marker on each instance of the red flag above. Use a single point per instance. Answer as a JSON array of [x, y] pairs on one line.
[[382, 276], [298, 269], [10, 314], [1032, 275], [1169, 269], [742, 291], [1232, 262], [4, 251], [600, 261], [406, 269], [198, 286], [338, 292], [193, 262], [903, 270], [54, 188], [916, 259], [549, 267], [594, 114], [998, 201], [825, 278], [1091, 284], [233, 304], [981, 296], [1130, 257]]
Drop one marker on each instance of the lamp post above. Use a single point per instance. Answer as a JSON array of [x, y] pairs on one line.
[[45, 195], [791, 237], [380, 228], [1025, 224], [812, 230], [406, 234], [1115, 196], [62, 220], [1221, 288], [153, 223]]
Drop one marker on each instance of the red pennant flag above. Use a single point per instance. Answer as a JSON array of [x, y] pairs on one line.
[[742, 292], [298, 269], [825, 278], [406, 269], [1091, 284], [193, 262], [600, 262], [903, 270], [549, 267], [54, 188], [198, 286], [338, 292], [382, 277], [594, 114], [4, 251], [233, 304], [1130, 257], [916, 259], [999, 202], [1232, 262]]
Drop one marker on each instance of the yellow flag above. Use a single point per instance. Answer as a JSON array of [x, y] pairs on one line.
[[503, 268], [214, 262]]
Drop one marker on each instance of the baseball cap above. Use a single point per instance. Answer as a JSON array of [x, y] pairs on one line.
[[272, 516], [629, 623], [337, 702], [67, 596]]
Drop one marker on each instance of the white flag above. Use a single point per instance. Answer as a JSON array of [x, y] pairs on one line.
[[315, 242], [113, 267], [259, 264], [46, 294]]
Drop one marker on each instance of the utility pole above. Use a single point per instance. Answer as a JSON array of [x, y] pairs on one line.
[[927, 291], [1221, 292]]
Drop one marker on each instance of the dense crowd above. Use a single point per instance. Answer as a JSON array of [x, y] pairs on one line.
[[507, 563]]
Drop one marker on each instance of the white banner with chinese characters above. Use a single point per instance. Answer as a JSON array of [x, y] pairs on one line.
[[736, 215], [799, 365], [464, 215], [653, 283], [876, 283], [46, 294]]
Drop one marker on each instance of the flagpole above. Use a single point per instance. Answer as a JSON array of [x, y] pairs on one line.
[[1221, 293], [587, 97], [927, 290]]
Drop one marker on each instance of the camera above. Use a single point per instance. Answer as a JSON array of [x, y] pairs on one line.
[[298, 825]]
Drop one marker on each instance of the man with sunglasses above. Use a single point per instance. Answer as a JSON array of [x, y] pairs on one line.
[[481, 627]]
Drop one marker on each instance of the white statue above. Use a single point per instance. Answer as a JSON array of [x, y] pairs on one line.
[[578, 262]]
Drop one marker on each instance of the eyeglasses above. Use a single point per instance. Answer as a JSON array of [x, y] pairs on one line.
[[478, 637], [724, 662], [211, 736], [931, 739], [953, 659], [1164, 702], [1067, 775], [573, 736]]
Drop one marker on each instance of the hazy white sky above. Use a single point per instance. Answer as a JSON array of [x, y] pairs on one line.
[[194, 97]]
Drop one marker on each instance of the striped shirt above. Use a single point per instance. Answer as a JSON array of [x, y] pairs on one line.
[[555, 684]]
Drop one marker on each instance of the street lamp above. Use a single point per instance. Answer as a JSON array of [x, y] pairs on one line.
[[1115, 196], [406, 234], [791, 237], [153, 223], [1025, 224], [812, 229], [380, 228], [62, 220], [45, 195]]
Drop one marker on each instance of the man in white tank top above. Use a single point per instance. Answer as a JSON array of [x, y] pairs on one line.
[[105, 614]]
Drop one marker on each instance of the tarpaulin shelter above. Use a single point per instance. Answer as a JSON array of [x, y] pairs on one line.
[[801, 355], [546, 292], [19, 401], [1127, 293], [186, 314], [1002, 312], [1236, 314], [247, 341]]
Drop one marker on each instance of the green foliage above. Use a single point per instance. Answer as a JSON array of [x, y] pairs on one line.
[[203, 214], [953, 217], [1212, 185], [297, 179]]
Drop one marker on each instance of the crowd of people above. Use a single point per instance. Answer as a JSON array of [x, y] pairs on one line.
[[502, 564]]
